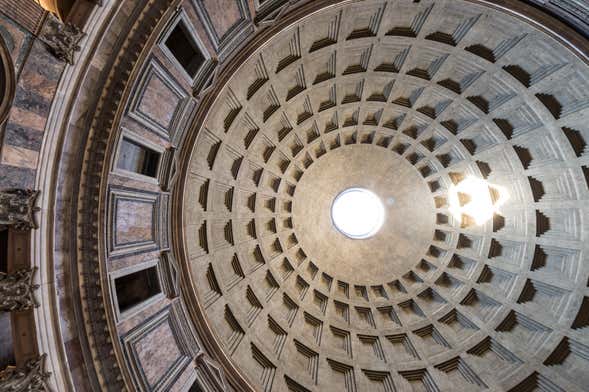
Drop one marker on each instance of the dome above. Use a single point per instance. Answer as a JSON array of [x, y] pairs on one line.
[[374, 195]]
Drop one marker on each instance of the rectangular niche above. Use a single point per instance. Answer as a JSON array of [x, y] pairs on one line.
[[182, 46], [138, 158], [136, 286]]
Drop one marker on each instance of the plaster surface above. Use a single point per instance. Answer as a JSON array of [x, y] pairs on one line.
[[409, 214]]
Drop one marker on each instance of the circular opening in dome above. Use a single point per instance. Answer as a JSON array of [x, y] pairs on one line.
[[357, 213]]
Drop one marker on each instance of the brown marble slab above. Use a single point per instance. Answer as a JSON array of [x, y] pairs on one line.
[[157, 352], [134, 222], [223, 13], [159, 102]]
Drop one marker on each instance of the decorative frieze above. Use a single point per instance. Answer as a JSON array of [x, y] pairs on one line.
[[574, 12]]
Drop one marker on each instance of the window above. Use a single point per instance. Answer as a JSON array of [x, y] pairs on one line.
[[184, 49], [137, 158], [136, 287]]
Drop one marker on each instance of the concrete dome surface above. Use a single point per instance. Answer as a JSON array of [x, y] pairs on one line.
[[312, 195]]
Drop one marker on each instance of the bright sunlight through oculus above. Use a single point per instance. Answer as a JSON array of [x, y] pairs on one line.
[[357, 213]]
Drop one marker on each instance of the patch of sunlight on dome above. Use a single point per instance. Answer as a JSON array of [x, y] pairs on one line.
[[475, 201]]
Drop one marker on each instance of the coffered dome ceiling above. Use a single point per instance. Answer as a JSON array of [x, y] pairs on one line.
[[406, 100], [172, 173]]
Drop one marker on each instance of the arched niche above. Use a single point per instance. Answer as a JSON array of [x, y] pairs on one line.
[[7, 81]]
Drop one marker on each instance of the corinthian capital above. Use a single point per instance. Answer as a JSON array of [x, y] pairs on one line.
[[17, 208], [62, 39], [17, 291], [30, 378]]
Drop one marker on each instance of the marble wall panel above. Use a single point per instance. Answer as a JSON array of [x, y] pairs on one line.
[[134, 221], [227, 22], [158, 100], [223, 13], [157, 351], [23, 134], [17, 39]]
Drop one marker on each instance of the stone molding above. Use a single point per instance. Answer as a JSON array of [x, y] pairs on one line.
[[169, 317], [108, 358], [574, 13], [170, 277], [210, 375]]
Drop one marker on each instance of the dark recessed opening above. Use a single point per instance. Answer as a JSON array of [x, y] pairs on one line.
[[137, 158], [2, 77], [195, 387], [184, 49], [4, 251], [6, 341], [136, 287]]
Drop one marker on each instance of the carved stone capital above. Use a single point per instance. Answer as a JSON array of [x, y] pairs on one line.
[[62, 39], [17, 291], [17, 208], [30, 378]]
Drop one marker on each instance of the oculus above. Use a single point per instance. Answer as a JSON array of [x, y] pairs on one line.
[[357, 213]]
